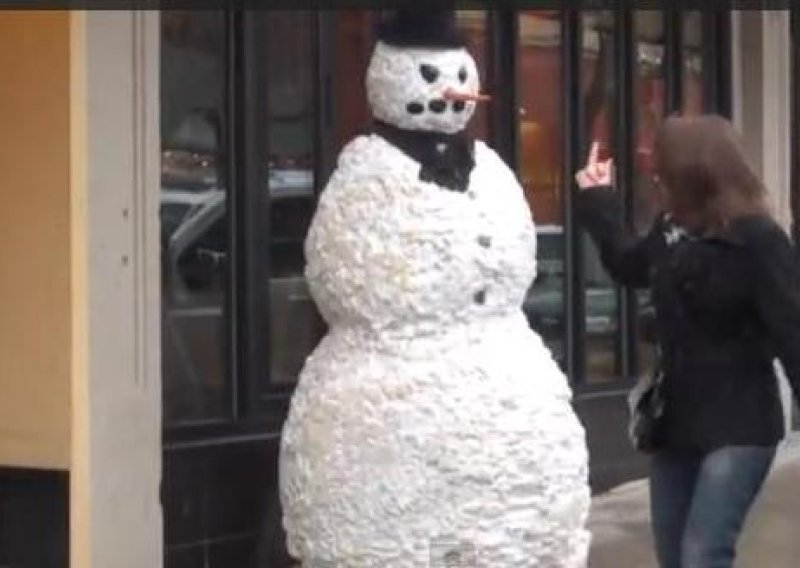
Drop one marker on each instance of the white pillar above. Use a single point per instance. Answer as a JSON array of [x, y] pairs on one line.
[[761, 48], [116, 391], [776, 61]]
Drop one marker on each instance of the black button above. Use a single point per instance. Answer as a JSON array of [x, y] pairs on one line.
[[415, 108], [479, 297], [485, 241]]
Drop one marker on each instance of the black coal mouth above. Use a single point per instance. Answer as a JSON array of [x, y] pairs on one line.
[[436, 106]]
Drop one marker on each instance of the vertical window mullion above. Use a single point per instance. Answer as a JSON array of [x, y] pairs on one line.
[[673, 59], [252, 211], [723, 55], [324, 153], [716, 61], [233, 144], [794, 81], [575, 316], [624, 126], [711, 62], [503, 69]]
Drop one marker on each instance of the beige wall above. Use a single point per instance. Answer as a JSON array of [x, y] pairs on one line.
[[34, 232]]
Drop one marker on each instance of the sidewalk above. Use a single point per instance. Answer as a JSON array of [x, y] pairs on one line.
[[620, 521]]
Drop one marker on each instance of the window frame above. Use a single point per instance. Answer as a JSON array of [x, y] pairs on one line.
[[794, 140]]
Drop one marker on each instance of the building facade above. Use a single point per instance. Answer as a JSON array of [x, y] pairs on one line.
[[191, 148]]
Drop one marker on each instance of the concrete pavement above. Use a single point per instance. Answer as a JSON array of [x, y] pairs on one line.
[[620, 521]]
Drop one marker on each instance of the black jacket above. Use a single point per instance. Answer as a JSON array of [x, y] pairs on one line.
[[726, 306]]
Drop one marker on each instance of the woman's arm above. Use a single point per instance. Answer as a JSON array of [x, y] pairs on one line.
[[626, 257], [777, 289]]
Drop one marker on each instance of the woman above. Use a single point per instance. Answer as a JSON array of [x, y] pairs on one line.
[[727, 295]]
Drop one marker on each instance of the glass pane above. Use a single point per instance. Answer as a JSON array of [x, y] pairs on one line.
[[354, 38], [474, 24], [294, 325], [540, 97], [194, 225], [599, 88], [649, 97], [692, 63]]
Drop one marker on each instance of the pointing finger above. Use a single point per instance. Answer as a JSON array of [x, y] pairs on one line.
[[594, 152]]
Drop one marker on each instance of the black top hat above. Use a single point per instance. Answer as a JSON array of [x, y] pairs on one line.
[[434, 27]]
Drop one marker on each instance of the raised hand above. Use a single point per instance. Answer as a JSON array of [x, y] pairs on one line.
[[595, 173]]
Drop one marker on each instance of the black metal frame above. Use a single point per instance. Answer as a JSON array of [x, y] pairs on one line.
[[794, 81], [503, 67], [571, 41], [246, 140], [625, 140]]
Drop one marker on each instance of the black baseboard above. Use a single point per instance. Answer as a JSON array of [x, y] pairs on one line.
[[34, 518]]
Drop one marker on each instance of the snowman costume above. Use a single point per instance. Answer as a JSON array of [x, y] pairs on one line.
[[431, 426]]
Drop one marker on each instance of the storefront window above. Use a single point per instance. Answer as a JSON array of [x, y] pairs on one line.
[[194, 222], [294, 324], [649, 96], [540, 123], [599, 94]]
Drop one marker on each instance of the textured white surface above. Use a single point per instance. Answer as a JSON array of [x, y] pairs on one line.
[[394, 80], [428, 428]]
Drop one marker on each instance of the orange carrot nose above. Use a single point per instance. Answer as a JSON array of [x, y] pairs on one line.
[[451, 94]]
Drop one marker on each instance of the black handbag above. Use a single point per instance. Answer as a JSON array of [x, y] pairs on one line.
[[646, 403]]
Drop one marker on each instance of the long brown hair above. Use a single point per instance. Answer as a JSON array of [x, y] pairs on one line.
[[708, 181]]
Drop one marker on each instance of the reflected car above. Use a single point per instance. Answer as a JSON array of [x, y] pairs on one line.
[[544, 304], [195, 278]]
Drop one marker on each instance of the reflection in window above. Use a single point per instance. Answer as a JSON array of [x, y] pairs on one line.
[[194, 227], [692, 63], [473, 23], [540, 126], [599, 92], [353, 40], [649, 90], [294, 326]]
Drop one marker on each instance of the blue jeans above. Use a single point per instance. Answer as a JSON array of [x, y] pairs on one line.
[[698, 503]]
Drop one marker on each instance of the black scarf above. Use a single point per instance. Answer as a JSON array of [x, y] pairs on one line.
[[445, 159]]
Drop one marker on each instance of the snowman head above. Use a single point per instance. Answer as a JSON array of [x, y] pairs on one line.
[[421, 76]]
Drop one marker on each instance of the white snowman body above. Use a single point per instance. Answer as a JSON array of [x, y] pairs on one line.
[[431, 426]]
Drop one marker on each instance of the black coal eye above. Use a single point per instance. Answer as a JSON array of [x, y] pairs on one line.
[[415, 108], [462, 74], [429, 72]]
